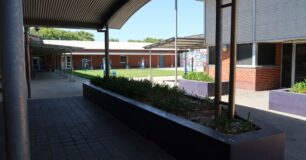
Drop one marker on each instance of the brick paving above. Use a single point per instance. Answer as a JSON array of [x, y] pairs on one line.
[[75, 129]]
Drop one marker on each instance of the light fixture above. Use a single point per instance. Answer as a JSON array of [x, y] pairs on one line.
[[224, 47]]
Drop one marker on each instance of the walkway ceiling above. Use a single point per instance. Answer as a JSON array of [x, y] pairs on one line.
[[44, 49], [190, 42], [91, 14], [39, 48]]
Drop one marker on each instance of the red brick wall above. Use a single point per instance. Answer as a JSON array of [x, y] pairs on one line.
[[267, 78], [134, 61], [225, 67], [251, 78], [246, 78], [96, 61]]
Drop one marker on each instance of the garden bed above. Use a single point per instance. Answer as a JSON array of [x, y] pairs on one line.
[[201, 89], [185, 139], [289, 102]]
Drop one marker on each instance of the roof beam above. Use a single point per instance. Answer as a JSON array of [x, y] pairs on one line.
[[112, 11], [58, 24]]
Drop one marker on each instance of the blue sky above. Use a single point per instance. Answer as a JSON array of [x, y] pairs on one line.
[[157, 19]]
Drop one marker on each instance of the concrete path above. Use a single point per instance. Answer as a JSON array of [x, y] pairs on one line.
[[295, 130], [53, 85]]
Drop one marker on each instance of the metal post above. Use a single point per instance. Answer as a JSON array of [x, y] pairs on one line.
[[233, 59], [65, 65], [192, 61], [14, 80], [185, 60], [27, 59], [71, 67], [150, 76], [176, 28], [106, 70], [218, 67]]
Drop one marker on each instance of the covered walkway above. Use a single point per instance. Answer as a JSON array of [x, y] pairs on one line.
[[64, 125], [53, 85], [74, 128]]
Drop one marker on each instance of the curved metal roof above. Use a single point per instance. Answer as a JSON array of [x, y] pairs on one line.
[[92, 14]]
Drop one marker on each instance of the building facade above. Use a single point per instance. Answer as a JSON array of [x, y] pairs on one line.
[[271, 51], [122, 55]]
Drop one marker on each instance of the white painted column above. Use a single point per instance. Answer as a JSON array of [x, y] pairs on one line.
[[254, 54], [254, 45]]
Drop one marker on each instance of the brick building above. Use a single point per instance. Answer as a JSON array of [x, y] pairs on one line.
[[122, 55], [271, 50]]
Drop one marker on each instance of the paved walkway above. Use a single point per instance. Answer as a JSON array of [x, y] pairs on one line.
[[295, 130], [53, 85], [76, 129]]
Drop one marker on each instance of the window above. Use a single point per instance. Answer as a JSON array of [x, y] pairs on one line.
[[68, 62], [244, 54], [266, 54], [212, 57], [123, 59]]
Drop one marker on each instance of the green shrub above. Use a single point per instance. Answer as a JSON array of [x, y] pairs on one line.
[[170, 99], [198, 76], [299, 87], [173, 100]]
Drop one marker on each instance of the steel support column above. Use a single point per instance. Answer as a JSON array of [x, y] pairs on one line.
[[71, 67], [218, 67], [27, 59], [176, 30], [150, 74], [106, 70], [233, 59], [14, 80]]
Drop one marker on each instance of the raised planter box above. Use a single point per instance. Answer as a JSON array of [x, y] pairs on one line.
[[201, 89], [185, 139], [284, 101]]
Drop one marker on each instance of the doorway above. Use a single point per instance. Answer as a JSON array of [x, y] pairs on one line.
[[300, 63], [162, 61], [287, 65]]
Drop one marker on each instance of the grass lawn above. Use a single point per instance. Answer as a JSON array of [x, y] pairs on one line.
[[132, 72]]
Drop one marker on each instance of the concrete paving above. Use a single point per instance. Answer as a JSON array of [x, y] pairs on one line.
[[53, 85]]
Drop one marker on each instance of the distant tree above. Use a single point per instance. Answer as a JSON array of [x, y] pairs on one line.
[[114, 40], [148, 40], [58, 34]]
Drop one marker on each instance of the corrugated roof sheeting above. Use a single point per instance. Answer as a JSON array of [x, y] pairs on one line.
[[79, 13], [182, 43]]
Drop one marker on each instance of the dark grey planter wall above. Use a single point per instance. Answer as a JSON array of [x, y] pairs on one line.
[[201, 89], [185, 139], [285, 101]]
